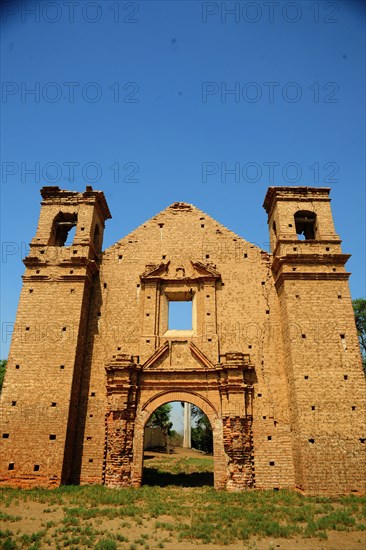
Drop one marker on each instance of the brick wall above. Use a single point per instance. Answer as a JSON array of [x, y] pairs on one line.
[[272, 337]]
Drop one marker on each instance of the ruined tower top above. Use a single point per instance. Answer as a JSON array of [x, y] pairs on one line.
[[54, 195], [299, 214], [301, 193]]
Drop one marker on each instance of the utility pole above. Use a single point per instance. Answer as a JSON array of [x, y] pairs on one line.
[[187, 426]]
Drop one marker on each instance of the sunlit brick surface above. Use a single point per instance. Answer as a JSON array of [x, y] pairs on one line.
[[272, 357]]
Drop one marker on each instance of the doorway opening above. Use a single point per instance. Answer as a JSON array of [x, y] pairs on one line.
[[178, 447]]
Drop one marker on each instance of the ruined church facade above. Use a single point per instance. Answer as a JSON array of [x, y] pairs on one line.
[[271, 356]]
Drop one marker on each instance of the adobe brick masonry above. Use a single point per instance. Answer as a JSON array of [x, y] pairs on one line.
[[272, 357]]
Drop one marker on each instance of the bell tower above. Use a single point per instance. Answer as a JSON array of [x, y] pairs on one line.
[[326, 385], [44, 372]]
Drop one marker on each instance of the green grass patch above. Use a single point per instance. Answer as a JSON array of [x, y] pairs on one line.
[[197, 515], [186, 465], [9, 517], [106, 544]]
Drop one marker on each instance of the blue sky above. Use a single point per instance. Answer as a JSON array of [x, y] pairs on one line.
[[134, 98]]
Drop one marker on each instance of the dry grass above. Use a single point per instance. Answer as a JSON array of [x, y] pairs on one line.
[[170, 516]]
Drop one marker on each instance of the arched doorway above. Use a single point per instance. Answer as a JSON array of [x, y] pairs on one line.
[[223, 392], [146, 409], [178, 447]]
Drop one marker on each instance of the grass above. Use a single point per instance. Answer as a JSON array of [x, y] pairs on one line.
[[8, 517], [185, 465], [186, 472], [149, 517]]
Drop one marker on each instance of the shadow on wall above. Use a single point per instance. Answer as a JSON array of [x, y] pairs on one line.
[[92, 330]]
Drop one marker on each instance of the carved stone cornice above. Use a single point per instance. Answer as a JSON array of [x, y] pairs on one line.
[[155, 272], [122, 380], [201, 356], [122, 361], [205, 271], [307, 276], [89, 267], [158, 354], [309, 259], [307, 244], [198, 272]]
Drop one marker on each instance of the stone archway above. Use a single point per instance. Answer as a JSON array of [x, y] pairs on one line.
[[146, 409], [223, 391]]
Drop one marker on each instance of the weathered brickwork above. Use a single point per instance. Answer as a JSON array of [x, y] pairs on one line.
[[272, 357]]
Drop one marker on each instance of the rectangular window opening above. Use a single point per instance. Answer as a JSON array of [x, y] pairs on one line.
[[180, 315]]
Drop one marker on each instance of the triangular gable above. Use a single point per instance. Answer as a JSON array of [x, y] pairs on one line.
[[180, 208], [156, 359]]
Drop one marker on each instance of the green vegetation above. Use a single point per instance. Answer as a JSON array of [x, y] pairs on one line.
[[107, 519], [201, 433], [182, 465], [359, 308], [161, 419], [2, 372]]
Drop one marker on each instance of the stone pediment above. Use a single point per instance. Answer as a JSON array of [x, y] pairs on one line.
[[155, 358], [152, 271], [178, 355], [205, 270], [188, 272]]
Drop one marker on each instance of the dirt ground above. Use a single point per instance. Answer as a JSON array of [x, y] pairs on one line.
[[34, 516], [177, 452]]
